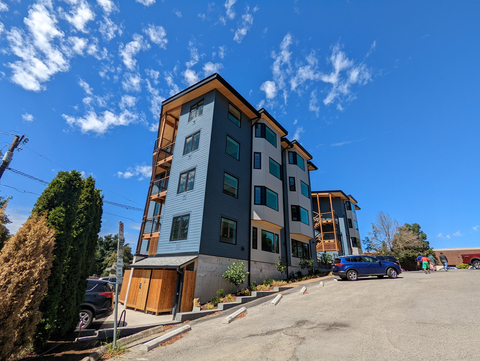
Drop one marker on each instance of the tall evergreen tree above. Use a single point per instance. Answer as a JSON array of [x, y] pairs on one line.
[[25, 263]]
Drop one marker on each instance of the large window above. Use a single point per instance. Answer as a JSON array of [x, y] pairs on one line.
[[233, 148], [191, 143], [230, 185], [257, 160], [265, 196], [275, 168], [254, 237], [228, 231], [233, 114], [186, 181], [263, 131], [300, 249], [196, 110], [304, 189], [294, 158], [354, 242], [300, 214], [291, 183], [270, 242], [356, 225], [180, 227]]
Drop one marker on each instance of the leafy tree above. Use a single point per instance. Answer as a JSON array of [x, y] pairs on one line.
[[25, 264], [236, 273], [127, 257], [4, 232], [281, 266], [105, 247]]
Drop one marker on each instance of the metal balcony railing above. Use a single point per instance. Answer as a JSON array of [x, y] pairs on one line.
[[160, 185], [165, 152], [152, 225], [145, 246]]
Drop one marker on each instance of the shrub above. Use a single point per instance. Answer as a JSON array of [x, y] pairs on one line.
[[253, 286], [245, 292], [463, 266], [267, 281], [216, 299], [281, 266], [236, 273], [229, 298], [305, 263]]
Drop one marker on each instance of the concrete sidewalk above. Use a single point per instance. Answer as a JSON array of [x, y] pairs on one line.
[[136, 318]]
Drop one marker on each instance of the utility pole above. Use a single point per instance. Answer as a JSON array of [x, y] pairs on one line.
[[7, 158]]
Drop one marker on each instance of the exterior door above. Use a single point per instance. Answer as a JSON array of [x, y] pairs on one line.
[[143, 289], [374, 266]]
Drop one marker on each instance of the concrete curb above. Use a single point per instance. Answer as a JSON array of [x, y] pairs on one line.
[[303, 290], [234, 315], [147, 346], [276, 300]]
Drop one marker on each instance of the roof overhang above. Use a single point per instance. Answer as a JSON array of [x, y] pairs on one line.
[[271, 120], [172, 262]]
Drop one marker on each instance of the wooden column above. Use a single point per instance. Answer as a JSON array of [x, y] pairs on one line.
[[320, 219], [333, 219]]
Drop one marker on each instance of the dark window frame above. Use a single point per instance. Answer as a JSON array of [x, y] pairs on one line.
[[238, 183], [255, 154], [297, 214], [221, 228], [198, 108], [239, 120], [302, 183], [254, 238], [291, 186], [226, 145], [350, 223], [179, 227], [293, 159], [304, 247], [263, 196], [186, 181], [261, 132], [191, 148], [275, 242], [270, 168]]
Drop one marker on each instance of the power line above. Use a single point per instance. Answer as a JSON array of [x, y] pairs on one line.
[[27, 175], [19, 190], [116, 215], [124, 206]]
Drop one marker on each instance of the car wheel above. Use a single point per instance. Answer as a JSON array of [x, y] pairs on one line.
[[380, 276], [87, 317], [392, 273], [352, 275], [476, 264]]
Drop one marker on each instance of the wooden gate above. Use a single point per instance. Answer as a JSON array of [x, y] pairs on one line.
[[188, 291], [123, 290], [137, 296], [162, 291]]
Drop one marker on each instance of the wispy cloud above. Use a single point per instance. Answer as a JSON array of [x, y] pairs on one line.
[[174, 89], [476, 228], [107, 5], [246, 24], [127, 101], [270, 89], [139, 171], [153, 74], [313, 104], [194, 57], [177, 12], [457, 234], [132, 48], [28, 117], [155, 100], [211, 68], [146, 2], [298, 133], [92, 122], [157, 35], [79, 16], [108, 28], [190, 77], [373, 47], [230, 10], [131, 82], [3, 6]]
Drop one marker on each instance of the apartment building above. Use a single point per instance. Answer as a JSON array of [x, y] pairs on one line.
[[335, 221], [227, 185]]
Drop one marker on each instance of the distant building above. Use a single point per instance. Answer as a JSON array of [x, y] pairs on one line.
[[335, 221], [454, 255], [226, 185]]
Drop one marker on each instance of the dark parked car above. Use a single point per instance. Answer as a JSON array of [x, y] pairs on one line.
[[354, 266], [98, 302], [111, 281], [389, 259]]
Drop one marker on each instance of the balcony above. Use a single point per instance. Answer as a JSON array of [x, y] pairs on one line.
[[152, 225], [164, 156], [159, 190]]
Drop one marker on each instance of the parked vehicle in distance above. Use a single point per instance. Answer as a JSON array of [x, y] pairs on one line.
[[472, 259], [354, 266], [389, 259], [111, 281], [98, 302]]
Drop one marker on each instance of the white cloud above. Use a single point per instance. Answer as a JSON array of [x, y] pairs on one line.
[[247, 22], [458, 234], [17, 218], [313, 104], [40, 57], [190, 77], [211, 68], [131, 82], [127, 101], [270, 89], [75, 45], [108, 28], [298, 133], [100, 123], [177, 12], [157, 35], [230, 11], [174, 89], [440, 235], [202, 16], [128, 51], [194, 57], [221, 51], [93, 50], [341, 143], [476, 228], [107, 5], [80, 15], [448, 236], [373, 47], [153, 74], [306, 72], [3, 6], [295, 122], [155, 100], [85, 86], [140, 171], [2, 28], [146, 2], [28, 117], [153, 127]]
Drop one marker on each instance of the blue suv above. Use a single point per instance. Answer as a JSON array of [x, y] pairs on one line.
[[352, 267]]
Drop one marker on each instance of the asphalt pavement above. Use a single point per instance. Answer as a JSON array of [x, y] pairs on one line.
[[414, 317]]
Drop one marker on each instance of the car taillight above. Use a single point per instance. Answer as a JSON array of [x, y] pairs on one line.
[[339, 264], [106, 294]]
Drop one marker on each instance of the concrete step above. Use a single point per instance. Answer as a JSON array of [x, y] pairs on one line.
[[226, 306], [184, 316], [245, 299]]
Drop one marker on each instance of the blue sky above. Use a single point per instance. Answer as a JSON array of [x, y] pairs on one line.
[[384, 95]]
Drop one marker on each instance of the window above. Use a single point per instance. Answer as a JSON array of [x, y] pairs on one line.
[[191, 143], [294, 158], [266, 197], [196, 110], [300, 214], [350, 225], [262, 131], [275, 169], [180, 227], [300, 249], [233, 114], [228, 231], [257, 160], [233, 148], [354, 242], [356, 225], [254, 238], [230, 185], [304, 189], [270, 242], [291, 183], [186, 181]]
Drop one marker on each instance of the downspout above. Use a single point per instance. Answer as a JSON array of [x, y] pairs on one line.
[[286, 228], [252, 135]]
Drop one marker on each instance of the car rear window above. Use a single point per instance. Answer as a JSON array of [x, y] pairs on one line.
[[91, 286], [337, 260]]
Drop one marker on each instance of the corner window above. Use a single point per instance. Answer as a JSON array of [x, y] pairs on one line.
[[191, 143], [291, 183], [234, 114], [354, 242], [228, 231], [233, 148], [270, 242], [304, 189], [180, 227], [230, 185], [350, 225], [257, 160], [266, 197], [356, 225], [196, 110], [294, 158], [263, 131], [254, 237], [300, 249], [300, 214], [186, 181], [274, 168]]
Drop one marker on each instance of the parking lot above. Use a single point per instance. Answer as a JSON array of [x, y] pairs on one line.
[[413, 317]]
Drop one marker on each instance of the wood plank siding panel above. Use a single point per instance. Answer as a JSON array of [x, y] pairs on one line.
[[123, 289], [134, 288], [188, 291], [162, 291]]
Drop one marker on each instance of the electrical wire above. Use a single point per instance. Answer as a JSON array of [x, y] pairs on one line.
[[124, 206], [18, 190], [116, 215]]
